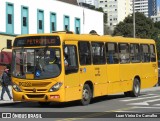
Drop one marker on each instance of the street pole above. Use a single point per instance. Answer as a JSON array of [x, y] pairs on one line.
[[134, 26]]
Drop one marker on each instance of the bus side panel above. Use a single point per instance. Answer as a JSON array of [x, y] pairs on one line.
[[100, 80], [149, 75], [126, 76], [97, 76], [72, 87], [114, 84]]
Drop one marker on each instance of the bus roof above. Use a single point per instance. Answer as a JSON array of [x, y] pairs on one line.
[[89, 37]]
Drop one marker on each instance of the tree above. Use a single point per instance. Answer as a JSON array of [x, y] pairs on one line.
[[144, 27], [157, 24]]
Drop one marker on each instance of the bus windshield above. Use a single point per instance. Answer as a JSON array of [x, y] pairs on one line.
[[39, 63]]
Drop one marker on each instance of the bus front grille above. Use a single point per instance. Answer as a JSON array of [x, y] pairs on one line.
[[37, 90], [35, 96]]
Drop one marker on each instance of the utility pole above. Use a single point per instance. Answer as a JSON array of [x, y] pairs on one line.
[[134, 26]]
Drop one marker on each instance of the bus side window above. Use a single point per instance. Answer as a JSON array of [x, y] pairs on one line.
[[112, 53], [135, 53], [152, 53], [71, 52], [145, 53], [84, 53], [124, 53], [98, 53]]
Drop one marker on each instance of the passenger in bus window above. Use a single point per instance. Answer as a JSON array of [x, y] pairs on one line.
[[65, 59]]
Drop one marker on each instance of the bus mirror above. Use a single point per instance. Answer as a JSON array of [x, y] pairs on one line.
[[9, 44]]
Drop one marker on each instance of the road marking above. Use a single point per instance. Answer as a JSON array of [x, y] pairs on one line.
[[156, 105], [145, 102], [139, 98], [146, 107]]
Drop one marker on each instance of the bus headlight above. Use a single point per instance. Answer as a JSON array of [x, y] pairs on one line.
[[16, 88], [56, 87]]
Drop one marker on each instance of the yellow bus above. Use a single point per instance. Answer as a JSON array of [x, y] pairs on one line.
[[63, 66]]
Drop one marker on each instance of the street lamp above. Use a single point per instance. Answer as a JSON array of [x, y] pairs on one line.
[[134, 26]]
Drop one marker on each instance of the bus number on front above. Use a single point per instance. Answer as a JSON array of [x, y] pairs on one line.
[[25, 84]]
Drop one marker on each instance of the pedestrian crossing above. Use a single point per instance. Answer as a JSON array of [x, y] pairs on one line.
[[144, 100]]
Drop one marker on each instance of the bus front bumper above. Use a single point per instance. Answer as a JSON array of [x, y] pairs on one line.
[[37, 97]]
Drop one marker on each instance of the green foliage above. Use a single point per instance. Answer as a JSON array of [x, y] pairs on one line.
[[145, 28], [157, 24]]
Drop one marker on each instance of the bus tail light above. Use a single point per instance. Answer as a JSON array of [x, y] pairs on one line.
[[16, 88], [56, 87]]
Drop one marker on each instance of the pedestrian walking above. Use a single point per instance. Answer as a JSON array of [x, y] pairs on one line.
[[5, 82]]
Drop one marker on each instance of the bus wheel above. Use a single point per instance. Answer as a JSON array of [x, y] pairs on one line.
[[86, 95], [44, 104], [136, 88]]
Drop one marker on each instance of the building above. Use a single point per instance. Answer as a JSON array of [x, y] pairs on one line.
[[74, 2], [90, 2], [156, 18], [116, 10], [147, 7], [34, 16], [152, 7]]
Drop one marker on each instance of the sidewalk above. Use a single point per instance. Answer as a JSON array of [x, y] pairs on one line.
[[6, 98]]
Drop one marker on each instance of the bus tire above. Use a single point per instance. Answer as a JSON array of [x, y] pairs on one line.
[[136, 88], [86, 95], [44, 104]]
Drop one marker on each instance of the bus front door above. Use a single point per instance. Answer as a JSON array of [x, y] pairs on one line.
[[72, 88]]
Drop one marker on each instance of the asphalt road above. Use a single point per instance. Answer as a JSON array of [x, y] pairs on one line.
[[112, 107]]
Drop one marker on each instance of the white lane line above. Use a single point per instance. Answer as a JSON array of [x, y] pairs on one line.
[[139, 98], [146, 107], [156, 105], [144, 102]]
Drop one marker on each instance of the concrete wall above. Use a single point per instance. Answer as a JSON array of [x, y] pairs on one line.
[[89, 19]]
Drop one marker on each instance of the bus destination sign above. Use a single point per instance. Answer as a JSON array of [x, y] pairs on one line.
[[37, 41]]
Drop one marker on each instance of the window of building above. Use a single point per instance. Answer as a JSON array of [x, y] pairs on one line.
[[66, 23], [145, 53], [124, 53], [40, 17], [77, 26], [84, 53], [10, 18], [40, 24], [98, 53], [152, 53], [24, 21], [135, 53], [112, 53], [52, 22]]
